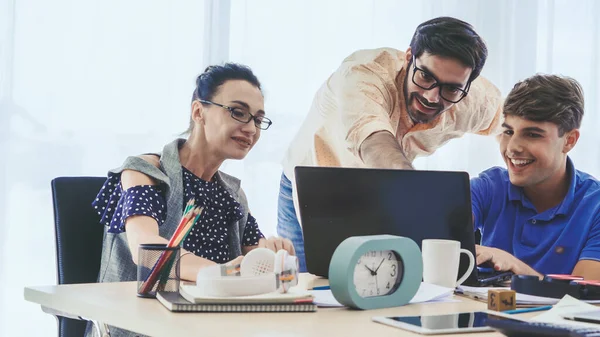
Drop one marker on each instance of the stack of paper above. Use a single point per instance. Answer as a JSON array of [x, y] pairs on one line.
[[426, 293], [481, 293], [195, 295], [566, 307]]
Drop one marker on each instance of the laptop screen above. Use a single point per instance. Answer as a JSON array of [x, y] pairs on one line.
[[336, 203]]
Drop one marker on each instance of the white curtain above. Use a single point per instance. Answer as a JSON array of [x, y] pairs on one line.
[[85, 83]]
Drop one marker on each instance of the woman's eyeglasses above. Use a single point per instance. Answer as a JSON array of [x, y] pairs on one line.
[[244, 116]]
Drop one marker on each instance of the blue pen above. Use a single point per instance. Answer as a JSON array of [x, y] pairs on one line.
[[321, 288], [524, 310]]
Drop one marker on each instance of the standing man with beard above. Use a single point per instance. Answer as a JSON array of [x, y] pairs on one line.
[[383, 107]]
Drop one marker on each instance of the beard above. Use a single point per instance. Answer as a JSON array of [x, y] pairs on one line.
[[418, 116]]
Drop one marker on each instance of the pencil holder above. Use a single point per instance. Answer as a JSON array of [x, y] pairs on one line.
[[157, 269]]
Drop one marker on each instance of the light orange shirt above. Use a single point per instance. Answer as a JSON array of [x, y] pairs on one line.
[[366, 95]]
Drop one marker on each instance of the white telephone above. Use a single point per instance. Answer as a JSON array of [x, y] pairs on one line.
[[261, 271]]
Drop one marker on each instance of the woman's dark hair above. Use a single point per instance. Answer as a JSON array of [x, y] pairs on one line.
[[547, 98], [450, 37], [209, 82]]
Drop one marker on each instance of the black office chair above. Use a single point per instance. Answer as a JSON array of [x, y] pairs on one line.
[[79, 238]]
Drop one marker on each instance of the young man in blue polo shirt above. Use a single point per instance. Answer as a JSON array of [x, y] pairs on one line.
[[540, 215]]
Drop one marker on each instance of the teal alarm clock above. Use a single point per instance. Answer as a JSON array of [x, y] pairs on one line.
[[375, 271]]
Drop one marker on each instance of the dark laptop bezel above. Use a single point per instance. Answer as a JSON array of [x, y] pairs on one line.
[[317, 256]]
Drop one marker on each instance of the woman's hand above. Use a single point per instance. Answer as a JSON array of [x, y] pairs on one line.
[[503, 261], [276, 243]]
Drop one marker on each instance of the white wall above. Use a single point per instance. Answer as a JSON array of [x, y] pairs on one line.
[[92, 82]]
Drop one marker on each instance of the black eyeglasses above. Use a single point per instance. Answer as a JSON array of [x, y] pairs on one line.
[[244, 116], [427, 81]]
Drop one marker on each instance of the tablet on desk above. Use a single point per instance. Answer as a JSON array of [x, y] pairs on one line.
[[588, 316], [441, 324]]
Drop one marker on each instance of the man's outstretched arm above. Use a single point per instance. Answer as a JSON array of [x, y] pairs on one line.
[[381, 150]]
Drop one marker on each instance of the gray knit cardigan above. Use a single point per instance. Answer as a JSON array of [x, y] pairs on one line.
[[117, 264]]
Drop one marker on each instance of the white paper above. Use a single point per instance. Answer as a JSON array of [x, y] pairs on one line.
[[523, 299], [325, 299], [430, 292], [426, 293], [566, 307]]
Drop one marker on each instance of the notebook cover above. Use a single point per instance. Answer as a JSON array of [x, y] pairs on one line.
[[177, 303]]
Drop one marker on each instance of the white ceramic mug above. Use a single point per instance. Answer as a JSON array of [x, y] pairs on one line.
[[441, 259]]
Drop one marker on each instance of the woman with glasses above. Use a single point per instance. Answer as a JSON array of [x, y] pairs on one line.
[[143, 200]]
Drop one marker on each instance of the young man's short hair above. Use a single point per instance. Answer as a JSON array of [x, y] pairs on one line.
[[547, 98]]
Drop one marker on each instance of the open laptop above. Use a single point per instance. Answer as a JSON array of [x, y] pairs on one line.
[[336, 203]]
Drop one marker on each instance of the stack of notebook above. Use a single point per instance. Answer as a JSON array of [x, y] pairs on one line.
[[189, 299]]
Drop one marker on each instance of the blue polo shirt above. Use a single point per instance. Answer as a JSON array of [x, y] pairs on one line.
[[550, 242]]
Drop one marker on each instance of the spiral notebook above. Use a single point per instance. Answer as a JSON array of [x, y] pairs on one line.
[[177, 303]]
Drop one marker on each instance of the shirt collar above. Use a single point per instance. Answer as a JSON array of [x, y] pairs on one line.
[[515, 193], [568, 200], [404, 121]]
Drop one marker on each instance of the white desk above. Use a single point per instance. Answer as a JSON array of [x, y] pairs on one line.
[[116, 304]]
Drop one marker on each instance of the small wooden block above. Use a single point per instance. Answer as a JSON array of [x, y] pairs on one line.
[[502, 299]]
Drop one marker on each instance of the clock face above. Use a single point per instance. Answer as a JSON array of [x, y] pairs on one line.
[[377, 273]]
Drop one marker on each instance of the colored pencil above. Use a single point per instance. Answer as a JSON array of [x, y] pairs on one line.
[[524, 310], [180, 233], [164, 275]]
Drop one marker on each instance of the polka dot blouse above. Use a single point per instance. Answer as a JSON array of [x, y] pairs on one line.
[[209, 235]]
